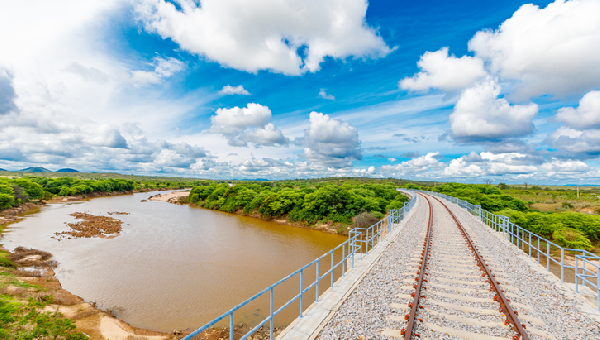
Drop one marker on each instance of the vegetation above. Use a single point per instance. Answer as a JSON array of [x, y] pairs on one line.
[[16, 191], [22, 319], [567, 228], [306, 201]]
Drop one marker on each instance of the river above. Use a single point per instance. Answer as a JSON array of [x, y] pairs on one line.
[[174, 266]]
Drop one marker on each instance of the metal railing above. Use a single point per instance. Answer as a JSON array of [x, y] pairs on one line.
[[360, 241], [587, 265]]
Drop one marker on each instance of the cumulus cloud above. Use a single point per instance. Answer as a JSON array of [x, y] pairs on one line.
[[459, 167], [508, 163], [110, 137], [448, 73], [331, 142], [324, 95], [574, 143], [480, 115], [267, 136], [218, 30], [240, 118], [565, 167], [392, 160], [379, 156], [230, 90], [552, 50], [416, 167], [247, 125], [586, 116]]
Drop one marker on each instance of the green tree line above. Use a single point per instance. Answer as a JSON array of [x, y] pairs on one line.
[[14, 192], [301, 201]]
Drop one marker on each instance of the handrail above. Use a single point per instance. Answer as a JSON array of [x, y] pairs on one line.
[[523, 238], [359, 239]]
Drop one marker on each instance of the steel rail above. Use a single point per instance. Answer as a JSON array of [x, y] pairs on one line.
[[414, 306], [511, 315]]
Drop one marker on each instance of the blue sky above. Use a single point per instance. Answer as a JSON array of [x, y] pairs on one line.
[[432, 90]]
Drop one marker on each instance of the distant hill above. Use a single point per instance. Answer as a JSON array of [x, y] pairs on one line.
[[34, 169], [67, 170], [3, 169]]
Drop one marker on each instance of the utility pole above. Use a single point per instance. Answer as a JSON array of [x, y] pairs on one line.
[[577, 191]]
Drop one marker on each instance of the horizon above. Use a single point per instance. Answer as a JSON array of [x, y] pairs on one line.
[[430, 91]]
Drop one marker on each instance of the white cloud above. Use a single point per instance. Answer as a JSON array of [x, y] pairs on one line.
[[230, 90], [109, 136], [163, 68], [251, 115], [448, 73], [460, 168], [421, 167], [480, 115], [508, 163], [574, 143], [267, 136], [324, 95], [330, 142], [247, 125], [586, 116], [553, 50], [392, 160], [266, 35], [568, 167]]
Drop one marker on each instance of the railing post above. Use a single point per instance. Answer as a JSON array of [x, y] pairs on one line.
[[577, 274], [547, 255], [331, 269], [344, 260], [562, 265], [317, 285], [301, 289], [598, 286], [231, 326], [529, 232], [538, 248], [271, 332]]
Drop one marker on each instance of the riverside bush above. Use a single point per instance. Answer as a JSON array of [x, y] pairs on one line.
[[303, 201]]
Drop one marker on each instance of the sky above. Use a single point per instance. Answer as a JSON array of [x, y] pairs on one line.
[[468, 91]]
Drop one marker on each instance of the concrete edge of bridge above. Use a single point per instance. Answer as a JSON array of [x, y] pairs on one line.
[[583, 305], [317, 315]]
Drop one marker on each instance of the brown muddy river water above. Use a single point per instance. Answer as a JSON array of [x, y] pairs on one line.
[[175, 267]]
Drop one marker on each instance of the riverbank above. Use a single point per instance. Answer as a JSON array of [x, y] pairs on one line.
[[92, 321], [33, 279], [180, 198]]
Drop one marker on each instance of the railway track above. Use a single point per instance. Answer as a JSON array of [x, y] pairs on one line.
[[452, 291]]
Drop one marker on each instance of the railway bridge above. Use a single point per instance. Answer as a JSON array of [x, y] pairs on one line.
[[439, 268]]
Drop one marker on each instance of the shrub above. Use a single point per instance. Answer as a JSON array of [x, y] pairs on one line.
[[364, 220], [6, 201], [572, 239]]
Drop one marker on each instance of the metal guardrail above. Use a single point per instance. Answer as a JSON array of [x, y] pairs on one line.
[[587, 265], [360, 241]]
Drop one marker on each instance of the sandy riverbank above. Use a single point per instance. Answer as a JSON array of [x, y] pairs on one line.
[[171, 197]]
